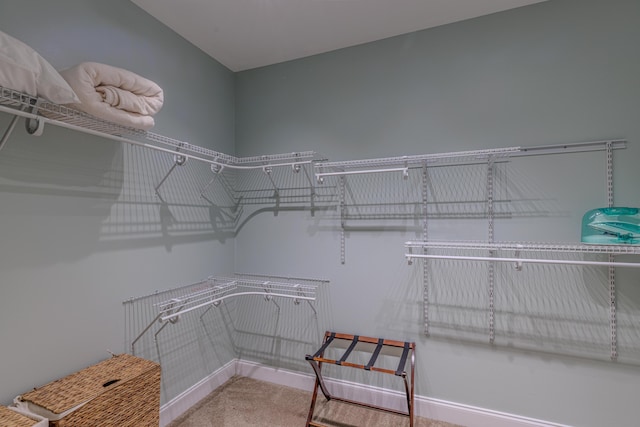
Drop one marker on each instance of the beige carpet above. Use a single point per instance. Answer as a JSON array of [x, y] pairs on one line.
[[245, 402]]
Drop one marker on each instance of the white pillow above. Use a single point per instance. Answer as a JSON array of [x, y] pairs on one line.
[[24, 70]]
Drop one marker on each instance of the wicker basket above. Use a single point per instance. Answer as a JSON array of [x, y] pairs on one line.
[[123, 391], [11, 418]]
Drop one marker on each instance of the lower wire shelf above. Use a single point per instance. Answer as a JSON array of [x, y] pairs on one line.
[[214, 290]]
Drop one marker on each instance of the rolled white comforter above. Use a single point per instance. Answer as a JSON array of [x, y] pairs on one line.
[[115, 94]]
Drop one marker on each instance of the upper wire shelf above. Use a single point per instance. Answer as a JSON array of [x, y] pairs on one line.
[[403, 163], [418, 160], [39, 112]]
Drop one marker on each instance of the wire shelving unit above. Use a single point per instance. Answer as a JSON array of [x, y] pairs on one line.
[[167, 307], [39, 112]]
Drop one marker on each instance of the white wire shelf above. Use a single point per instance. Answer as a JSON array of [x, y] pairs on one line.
[[216, 289], [454, 157], [39, 112], [518, 247], [203, 295], [459, 158], [403, 163], [174, 303], [527, 246]]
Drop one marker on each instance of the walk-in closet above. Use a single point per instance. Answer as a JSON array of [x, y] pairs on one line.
[[320, 212]]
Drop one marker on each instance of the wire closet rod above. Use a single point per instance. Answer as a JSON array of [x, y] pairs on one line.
[[320, 175], [616, 249], [526, 260], [215, 302], [214, 290]]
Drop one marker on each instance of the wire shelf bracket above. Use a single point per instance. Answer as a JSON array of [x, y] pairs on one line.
[[178, 160]]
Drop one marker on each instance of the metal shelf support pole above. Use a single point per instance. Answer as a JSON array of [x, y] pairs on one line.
[[312, 191], [612, 271], [342, 220], [490, 206], [425, 236]]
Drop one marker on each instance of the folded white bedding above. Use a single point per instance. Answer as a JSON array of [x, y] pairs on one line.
[[115, 94], [25, 70]]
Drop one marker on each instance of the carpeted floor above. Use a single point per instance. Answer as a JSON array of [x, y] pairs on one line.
[[245, 402]]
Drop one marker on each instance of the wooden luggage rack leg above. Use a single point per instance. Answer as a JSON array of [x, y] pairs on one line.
[[375, 346]]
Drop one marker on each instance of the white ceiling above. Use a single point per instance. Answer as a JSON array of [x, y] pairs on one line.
[[245, 34]]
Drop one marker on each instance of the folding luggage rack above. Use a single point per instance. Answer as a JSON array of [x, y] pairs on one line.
[[374, 346]]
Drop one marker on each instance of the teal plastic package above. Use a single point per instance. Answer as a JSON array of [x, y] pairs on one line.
[[615, 225]]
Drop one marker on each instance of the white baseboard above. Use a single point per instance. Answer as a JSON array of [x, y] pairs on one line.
[[185, 400], [285, 377], [427, 407]]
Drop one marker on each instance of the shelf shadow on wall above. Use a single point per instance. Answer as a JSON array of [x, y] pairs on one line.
[[558, 309], [124, 196], [452, 192], [447, 202], [162, 204], [278, 335], [56, 193], [102, 195], [162, 201], [545, 308]]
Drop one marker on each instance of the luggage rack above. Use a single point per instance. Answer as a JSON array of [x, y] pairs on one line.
[[375, 346]]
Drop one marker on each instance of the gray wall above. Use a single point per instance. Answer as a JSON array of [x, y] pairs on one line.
[[556, 72], [81, 227]]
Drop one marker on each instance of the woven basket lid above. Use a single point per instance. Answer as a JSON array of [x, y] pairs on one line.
[[80, 387], [9, 418]]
